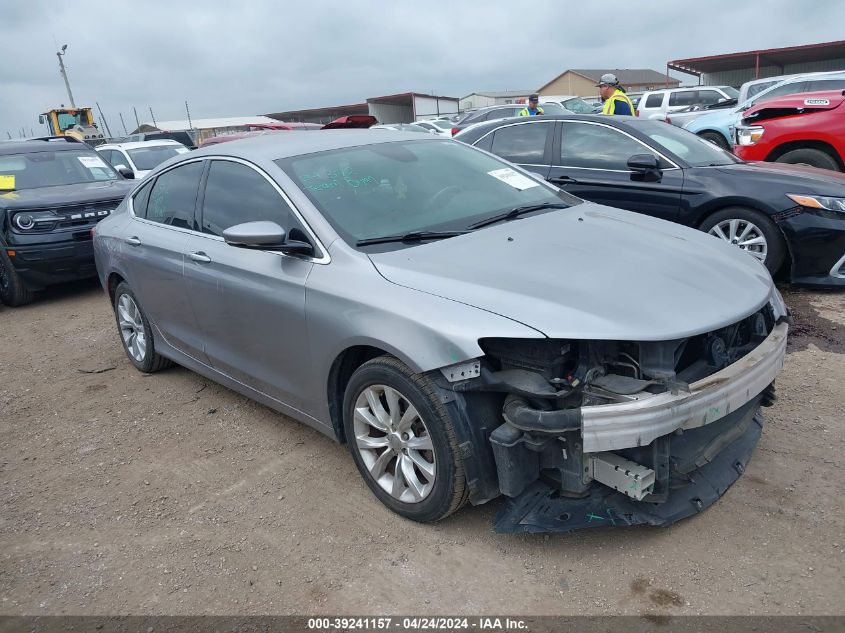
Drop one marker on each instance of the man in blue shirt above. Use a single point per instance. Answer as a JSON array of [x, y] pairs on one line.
[[615, 99], [533, 108]]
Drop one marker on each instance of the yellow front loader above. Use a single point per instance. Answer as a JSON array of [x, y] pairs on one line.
[[77, 123]]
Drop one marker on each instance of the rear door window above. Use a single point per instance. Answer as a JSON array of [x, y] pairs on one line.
[[524, 143], [654, 101], [684, 98], [173, 197]]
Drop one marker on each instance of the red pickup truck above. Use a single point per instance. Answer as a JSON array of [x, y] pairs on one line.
[[805, 129]]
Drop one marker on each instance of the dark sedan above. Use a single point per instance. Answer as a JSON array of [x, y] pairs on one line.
[[660, 170]]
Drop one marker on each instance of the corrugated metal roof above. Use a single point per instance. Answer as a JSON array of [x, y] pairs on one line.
[[764, 57], [203, 124]]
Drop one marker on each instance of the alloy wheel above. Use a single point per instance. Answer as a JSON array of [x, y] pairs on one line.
[[744, 234], [131, 325], [394, 443]]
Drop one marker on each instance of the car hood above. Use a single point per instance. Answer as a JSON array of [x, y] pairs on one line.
[[590, 272], [791, 178], [64, 195], [722, 119]]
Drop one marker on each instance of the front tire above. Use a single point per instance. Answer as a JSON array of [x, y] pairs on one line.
[[717, 139], [811, 157], [12, 291], [751, 231], [403, 441], [135, 332]]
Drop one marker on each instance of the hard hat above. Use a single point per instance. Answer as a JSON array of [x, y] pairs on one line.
[[608, 79]]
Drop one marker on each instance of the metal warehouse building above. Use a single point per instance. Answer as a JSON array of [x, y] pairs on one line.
[[405, 107], [734, 69]]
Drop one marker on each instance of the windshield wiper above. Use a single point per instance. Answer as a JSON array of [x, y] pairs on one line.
[[413, 236], [516, 212]]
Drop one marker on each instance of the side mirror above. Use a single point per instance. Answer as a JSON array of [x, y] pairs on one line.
[[124, 171], [264, 235], [643, 163]]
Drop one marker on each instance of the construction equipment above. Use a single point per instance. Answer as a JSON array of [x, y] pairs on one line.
[[77, 123]]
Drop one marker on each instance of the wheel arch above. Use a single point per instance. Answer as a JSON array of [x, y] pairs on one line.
[[112, 282], [342, 368], [754, 206], [822, 146], [711, 130]]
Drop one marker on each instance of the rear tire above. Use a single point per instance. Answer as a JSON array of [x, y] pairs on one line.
[[12, 291], [717, 139], [403, 441], [811, 157], [135, 332], [739, 224]]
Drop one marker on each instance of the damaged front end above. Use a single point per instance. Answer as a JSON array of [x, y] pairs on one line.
[[622, 433]]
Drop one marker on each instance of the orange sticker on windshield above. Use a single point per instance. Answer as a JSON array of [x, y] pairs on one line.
[[7, 182]]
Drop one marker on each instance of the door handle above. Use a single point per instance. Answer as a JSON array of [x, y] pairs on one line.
[[132, 241], [200, 257], [563, 180]]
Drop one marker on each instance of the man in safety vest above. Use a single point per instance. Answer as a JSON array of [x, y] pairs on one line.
[[615, 99], [533, 108]]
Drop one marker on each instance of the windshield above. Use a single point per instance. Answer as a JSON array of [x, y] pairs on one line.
[[405, 186], [758, 88], [145, 158], [553, 108], [67, 120], [50, 169], [578, 106], [443, 125], [685, 145]]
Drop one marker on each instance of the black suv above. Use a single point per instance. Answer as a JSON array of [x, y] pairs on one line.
[[52, 192]]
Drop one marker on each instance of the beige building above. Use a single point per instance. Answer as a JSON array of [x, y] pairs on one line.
[[582, 82]]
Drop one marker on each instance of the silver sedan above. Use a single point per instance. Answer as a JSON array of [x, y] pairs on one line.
[[466, 329]]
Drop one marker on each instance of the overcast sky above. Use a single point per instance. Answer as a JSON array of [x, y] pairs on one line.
[[257, 56]]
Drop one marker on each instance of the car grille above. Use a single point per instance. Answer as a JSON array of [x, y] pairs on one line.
[[85, 214]]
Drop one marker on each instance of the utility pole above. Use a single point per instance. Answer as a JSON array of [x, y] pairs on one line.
[[64, 74], [103, 117], [125, 133]]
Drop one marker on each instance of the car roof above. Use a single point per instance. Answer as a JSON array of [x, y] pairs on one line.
[[136, 144], [271, 147], [686, 88], [46, 144], [613, 121]]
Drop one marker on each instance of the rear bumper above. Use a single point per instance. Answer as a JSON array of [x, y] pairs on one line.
[[42, 265], [637, 423]]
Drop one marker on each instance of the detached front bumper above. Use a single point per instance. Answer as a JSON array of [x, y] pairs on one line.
[[616, 426], [655, 459]]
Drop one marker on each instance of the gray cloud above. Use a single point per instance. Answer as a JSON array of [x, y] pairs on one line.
[[240, 58]]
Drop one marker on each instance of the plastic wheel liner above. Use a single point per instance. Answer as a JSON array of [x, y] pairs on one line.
[[702, 464]]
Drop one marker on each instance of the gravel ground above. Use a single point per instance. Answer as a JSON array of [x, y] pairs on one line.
[[167, 494]]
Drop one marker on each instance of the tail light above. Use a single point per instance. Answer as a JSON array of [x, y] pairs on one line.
[[455, 130]]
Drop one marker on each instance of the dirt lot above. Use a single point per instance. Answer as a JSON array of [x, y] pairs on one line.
[[167, 494]]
